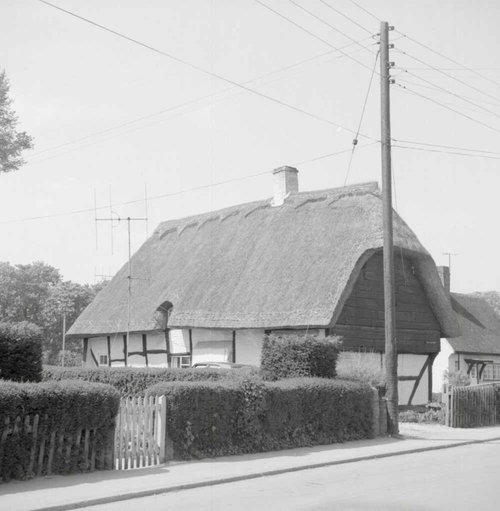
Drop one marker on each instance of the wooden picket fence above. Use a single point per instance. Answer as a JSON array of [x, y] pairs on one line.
[[140, 432], [52, 450], [470, 407]]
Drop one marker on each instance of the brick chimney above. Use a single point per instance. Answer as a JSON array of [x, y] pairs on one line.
[[285, 182], [444, 275]]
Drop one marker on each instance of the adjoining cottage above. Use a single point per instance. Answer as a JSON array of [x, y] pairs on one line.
[[476, 352], [210, 286]]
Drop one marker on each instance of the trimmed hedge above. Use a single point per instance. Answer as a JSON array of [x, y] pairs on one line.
[[207, 419], [295, 355], [62, 407], [20, 351], [133, 381]]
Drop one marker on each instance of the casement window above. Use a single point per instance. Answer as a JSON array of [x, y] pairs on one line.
[[180, 361], [103, 360], [491, 372]]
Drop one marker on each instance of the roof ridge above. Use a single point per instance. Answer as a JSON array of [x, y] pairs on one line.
[[362, 188]]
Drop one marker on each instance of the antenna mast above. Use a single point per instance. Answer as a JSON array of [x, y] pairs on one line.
[[114, 217]]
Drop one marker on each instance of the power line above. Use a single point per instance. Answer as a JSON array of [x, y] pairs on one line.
[[447, 91], [481, 100], [201, 69], [321, 20], [448, 108], [472, 70], [365, 10], [448, 75], [447, 152], [173, 194], [445, 146], [355, 141], [345, 16], [312, 34], [186, 103]]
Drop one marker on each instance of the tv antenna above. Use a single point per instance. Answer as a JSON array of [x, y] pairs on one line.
[[115, 219]]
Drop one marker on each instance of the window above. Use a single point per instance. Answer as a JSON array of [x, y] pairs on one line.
[[180, 361], [103, 360], [491, 372]]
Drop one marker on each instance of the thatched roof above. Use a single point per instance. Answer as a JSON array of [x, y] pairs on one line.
[[479, 324], [259, 266]]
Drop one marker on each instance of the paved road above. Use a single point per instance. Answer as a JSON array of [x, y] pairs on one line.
[[461, 478]]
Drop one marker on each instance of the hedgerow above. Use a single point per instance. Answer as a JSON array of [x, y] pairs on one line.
[[64, 409], [20, 351], [294, 355], [233, 417], [133, 381]]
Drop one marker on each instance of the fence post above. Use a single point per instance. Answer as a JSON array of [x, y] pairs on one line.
[[161, 427], [375, 413]]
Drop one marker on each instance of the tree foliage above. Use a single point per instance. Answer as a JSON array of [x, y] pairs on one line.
[[37, 293], [492, 297], [12, 142]]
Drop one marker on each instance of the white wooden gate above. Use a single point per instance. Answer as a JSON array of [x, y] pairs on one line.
[[140, 432]]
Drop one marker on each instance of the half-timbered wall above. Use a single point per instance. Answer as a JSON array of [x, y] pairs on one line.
[[361, 322]]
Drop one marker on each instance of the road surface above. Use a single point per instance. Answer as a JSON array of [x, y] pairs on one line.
[[461, 478]]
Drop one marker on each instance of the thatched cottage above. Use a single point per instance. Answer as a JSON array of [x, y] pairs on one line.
[[209, 287], [476, 352]]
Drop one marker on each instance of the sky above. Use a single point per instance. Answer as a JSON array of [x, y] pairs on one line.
[[114, 120]]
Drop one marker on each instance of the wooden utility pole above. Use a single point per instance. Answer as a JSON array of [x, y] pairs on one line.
[[391, 351]]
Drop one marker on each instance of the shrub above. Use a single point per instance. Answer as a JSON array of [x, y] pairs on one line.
[[20, 351], [294, 355], [251, 415], [432, 413], [456, 378], [64, 409], [364, 367], [132, 381]]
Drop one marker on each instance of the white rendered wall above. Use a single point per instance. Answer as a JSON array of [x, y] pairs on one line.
[[248, 346], [98, 346], [411, 365], [441, 364], [179, 341], [156, 341], [135, 345], [210, 345], [408, 365], [116, 344]]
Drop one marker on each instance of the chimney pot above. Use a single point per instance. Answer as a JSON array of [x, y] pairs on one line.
[[285, 182], [444, 275]]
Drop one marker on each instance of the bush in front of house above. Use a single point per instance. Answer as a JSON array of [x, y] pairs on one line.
[[456, 378], [432, 413], [361, 366], [133, 381], [296, 355], [206, 419], [20, 351], [70, 419]]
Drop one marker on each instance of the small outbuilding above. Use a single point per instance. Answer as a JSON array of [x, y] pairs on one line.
[[476, 352], [209, 287]]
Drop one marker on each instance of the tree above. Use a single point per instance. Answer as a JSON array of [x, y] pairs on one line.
[[493, 298], [36, 293], [69, 299], [12, 142]]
